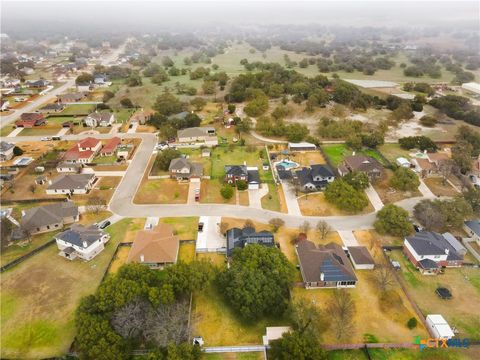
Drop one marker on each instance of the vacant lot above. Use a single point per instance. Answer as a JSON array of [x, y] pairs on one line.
[[439, 188], [369, 237], [162, 191], [389, 194], [39, 298], [337, 152], [307, 158], [78, 109], [210, 193], [317, 205], [464, 283], [185, 228]]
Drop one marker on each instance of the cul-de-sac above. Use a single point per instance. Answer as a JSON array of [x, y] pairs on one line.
[[227, 180]]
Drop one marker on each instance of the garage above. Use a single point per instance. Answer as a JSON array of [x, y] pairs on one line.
[[253, 179]]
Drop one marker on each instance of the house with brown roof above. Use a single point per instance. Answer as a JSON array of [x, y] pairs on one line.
[[361, 258], [29, 120], [430, 164], [361, 163], [71, 98], [155, 248], [110, 147], [324, 266]]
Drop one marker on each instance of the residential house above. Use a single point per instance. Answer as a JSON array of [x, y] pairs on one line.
[[234, 173], [430, 251], [102, 119], [84, 151], [324, 266], [8, 83], [124, 151], [361, 258], [403, 162], [6, 151], [198, 134], [302, 146], [100, 79], [82, 242], [52, 108], [71, 184], [51, 217], [37, 83], [110, 147], [141, 117], [29, 120], [155, 248], [472, 227], [253, 178], [314, 178], [361, 163], [239, 238], [71, 98], [182, 169], [67, 167], [84, 87], [4, 105], [430, 164]]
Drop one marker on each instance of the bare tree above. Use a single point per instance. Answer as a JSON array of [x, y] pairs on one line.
[[95, 204], [276, 223], [323, 229], [446, 169], [32, 188], [341, 309], [305, 227], [384, 277], [249, 223], [129, 320], [307, 318]]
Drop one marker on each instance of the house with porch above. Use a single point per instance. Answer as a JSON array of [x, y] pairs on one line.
[[83, 242], [182, 169], [69, 184]]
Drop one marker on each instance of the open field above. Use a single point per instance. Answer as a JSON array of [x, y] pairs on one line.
[[162, 191], [388, 194], [36, 321], [464, 283], [405, 354], [436, 185], [316, 205], [393, 151], [78, 109], [369, 237]]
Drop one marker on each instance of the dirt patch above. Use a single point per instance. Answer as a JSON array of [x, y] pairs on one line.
[[369, 237]]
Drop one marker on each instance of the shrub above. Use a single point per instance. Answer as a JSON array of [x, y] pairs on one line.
[[226, 191], [241, 185], [17, 151], [412, 323]]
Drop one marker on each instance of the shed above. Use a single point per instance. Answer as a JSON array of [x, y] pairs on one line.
[[274, 333], [205, 153], [302, 146], [403, 162], [361, 258], [439, 327]]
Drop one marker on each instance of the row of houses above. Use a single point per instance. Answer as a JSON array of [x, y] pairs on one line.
[[85, 150], [95, 119]]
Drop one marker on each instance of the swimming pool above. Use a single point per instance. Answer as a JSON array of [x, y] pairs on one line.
[[287, 164]]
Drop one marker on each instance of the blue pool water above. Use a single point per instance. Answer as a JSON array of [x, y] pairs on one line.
[[287, 164]]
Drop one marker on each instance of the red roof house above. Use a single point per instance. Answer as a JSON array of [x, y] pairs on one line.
[[29, 120], [84, 151], [110, 147]]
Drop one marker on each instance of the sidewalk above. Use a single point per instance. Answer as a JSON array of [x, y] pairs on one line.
[[374, 198], [424, 189], [15, 132], [348, 238]]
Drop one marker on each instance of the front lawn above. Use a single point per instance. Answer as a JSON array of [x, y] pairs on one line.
[[40, 295], [185, 228], [162, 191], [439, 188], [78, 109], [317, 205], [210, 193], [388, 194]]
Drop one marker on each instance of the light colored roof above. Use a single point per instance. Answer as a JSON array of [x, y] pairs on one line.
[[79, 234], [100, 116], [158, 245], [301, 144], [194, 131], [441, 325], [4, 146]]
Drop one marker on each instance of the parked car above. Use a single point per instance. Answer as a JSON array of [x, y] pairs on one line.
[[104, 224], [46, 138]]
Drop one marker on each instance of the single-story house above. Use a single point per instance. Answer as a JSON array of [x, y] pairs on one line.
[[84, 151], [325, 266], [141, 117], [66, 167], [314, 178], [6, 151], [84, 87], [155, 248], [361, 258], [439, 327], [182, 169], [429, 251], [361, 163], [430, 163], [111, 146], [472, 228], [102, 119], [4, 105], [239, 238], [52, 108], [100, 79], [29, 120], [71, 98], [81, 241], [198, 134], [51, 217], [71, 184], [302, 146], [37, 83]]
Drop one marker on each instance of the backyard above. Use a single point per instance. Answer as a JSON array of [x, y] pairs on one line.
[[337, 152]]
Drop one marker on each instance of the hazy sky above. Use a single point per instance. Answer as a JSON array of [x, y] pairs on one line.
[[149, 15]]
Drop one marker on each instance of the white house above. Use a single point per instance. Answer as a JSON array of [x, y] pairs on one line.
[[198, 134], [71, 184], [99, 119], [439, 327], [65, 167], [6, 151], [82, 242], [302, 146], [4, 105]]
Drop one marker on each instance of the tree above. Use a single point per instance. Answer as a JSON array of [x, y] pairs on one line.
[[418, 142], [6, 228], [294, 345], [231, 108], [393, 220], [258, 105], [32, 188], [345, 196], [168, 104], [462, 155], [442, 215], [358, 179], [403, 112], [167, 61], [341, 309], [412, 323], [209, 87], [354, 142], [323, 229], [404, 179], [163, 159], [307, 318], [134, 80], [84, 78], [305, 227], [17, 151], [198, 103], [126, 103], [372, 140], [276, 223], [472, 196], [227, 191], [241, 185], [384, 277], [95, 204], [258, 281], [428, 121], [296, 132], [107, 95]]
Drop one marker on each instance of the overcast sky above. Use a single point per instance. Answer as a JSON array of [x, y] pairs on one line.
[[149, 15]]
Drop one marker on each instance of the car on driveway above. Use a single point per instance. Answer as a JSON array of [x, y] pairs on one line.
[[104, 224]]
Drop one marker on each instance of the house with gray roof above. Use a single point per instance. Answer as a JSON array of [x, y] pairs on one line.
[[71, 184], [472, 227], [430, 251], [102, 119], [324, 266], [84, 242], [51, 217], [239, 238], [6, 151], [204, 135], [314, 178], [182, 169]]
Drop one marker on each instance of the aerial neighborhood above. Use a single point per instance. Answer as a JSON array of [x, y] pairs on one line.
[[267, 192]]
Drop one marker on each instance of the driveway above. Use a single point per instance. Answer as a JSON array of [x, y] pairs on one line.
[[291, 199], [192, 187], [255, 196], [348, 238], [374, 198], [151, 222], [15, 132], [425, 190], [210, 239]]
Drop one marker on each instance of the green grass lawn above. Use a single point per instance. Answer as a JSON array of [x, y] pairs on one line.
[[393, 151], [105, 159], [5, 130], [271, 201], [404, 354], [235, 155], [39, 131], [185, 228], [336, 152], [186, 252], [78, 109], [58, 120], [40, 295]]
